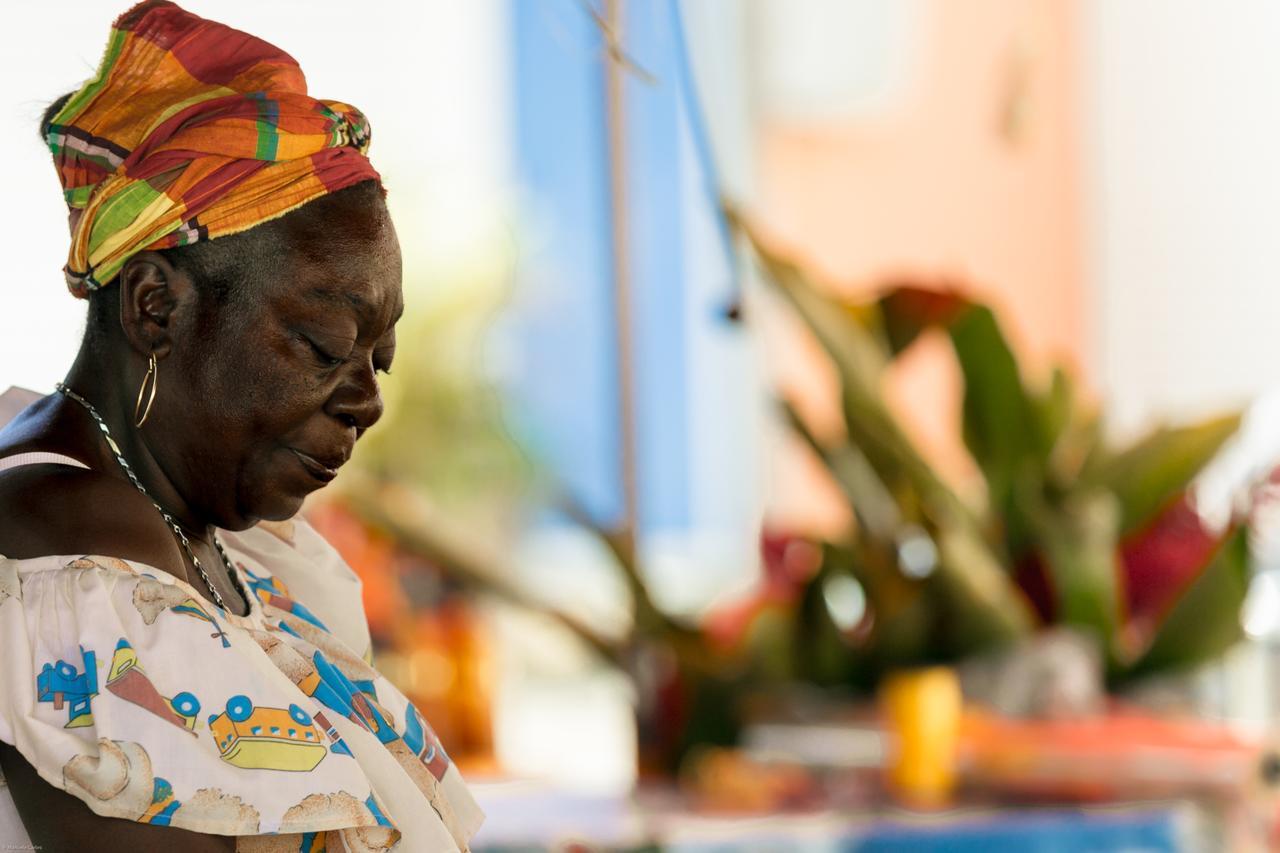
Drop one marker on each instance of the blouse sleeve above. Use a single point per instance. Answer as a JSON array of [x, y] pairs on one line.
[[124, 689]]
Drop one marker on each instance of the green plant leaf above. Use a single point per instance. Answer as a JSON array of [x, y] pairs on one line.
[[877, 511], [859, 361], [1002, 422], [1078, 445], [998, 426], [905, 638], [1158, 468], [985, 609], [902, 615], [1052, 411], [825, 656], [1077, 541], [983, 604], [1205, 622]]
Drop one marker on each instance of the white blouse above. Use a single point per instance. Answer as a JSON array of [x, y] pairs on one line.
[[124, 687]]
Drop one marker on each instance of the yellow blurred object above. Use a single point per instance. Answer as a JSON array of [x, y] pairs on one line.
[[922, 710]]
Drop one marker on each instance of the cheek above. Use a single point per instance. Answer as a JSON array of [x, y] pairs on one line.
[[278, 406], [251, 394]]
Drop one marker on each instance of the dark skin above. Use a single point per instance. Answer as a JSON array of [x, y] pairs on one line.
[[259, 399]]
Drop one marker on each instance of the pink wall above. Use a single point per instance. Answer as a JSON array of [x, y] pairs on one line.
[[972, 176]]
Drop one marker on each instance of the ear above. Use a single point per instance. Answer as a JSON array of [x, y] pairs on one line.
[[153, 295]]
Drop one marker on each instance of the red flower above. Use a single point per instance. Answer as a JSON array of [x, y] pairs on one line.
[[1162, 560]]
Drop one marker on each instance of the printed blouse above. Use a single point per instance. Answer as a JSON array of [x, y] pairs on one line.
[[127, 689]]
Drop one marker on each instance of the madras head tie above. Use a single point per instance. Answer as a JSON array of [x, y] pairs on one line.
[[191, 131]]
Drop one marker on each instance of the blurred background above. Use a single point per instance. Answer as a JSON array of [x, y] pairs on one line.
[[817, 424]]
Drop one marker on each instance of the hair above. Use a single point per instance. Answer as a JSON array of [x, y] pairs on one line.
[[223, 270]]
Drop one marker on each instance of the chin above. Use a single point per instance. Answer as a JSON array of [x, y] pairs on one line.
[[280, 507]]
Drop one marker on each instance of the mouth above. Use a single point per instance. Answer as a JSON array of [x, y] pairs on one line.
[[323, 471]]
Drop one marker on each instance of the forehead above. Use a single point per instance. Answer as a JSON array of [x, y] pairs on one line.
[[346, 261]]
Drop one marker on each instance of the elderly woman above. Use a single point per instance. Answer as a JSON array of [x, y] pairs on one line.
[[184, 667]]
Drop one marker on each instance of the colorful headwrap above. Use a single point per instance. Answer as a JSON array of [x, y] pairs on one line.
[[192, 131]]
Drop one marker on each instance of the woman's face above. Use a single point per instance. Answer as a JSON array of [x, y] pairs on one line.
[[260, 411]]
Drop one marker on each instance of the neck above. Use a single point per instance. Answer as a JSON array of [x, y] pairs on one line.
[[110, 385]]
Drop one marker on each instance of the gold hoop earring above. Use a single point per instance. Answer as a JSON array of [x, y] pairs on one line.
[[152, 377]]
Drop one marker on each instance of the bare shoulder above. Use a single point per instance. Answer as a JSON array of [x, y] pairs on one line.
[[59, 509]]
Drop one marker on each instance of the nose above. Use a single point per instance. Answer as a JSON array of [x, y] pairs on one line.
[[357, 402]]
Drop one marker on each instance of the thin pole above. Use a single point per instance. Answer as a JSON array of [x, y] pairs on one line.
[[615, 77]]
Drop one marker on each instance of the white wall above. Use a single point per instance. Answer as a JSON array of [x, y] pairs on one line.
[[1182, 140], [40, 324]]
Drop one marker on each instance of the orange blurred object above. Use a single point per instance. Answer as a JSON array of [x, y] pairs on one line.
[[372, 557], [446, 669], [726, 780], [1119, 755]]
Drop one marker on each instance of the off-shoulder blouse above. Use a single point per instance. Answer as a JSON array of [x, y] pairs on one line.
[[125, 688]]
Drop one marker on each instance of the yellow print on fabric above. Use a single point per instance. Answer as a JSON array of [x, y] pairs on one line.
[[267, 738]]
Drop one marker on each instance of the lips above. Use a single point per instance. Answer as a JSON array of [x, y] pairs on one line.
[[322, 468]]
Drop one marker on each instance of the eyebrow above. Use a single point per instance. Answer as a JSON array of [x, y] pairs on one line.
[[362, 306], [356, 300]]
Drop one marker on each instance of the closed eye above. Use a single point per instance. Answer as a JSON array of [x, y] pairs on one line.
[[321, 355]]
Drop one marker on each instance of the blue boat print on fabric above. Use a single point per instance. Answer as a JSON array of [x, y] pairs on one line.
[[328, 686], [272, 591], [61, 683], [420, 738]]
